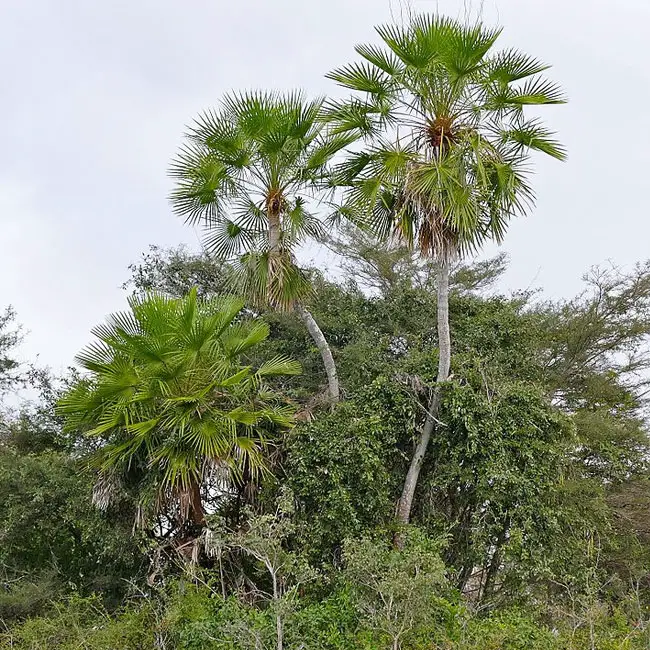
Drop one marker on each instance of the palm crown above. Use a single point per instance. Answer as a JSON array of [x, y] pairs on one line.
[[168, 393], [250, 173], [448, 142]]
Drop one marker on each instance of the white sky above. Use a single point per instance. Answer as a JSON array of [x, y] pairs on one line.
[[95, 96]]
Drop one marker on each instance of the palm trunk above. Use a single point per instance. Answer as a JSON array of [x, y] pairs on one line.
[[274, 279], [315, 331], [197, 513], [274, 231], [325, 352], [444, 361]]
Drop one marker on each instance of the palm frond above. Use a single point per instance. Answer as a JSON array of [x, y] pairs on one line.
[[534, 135], [363, 77], [412, 52], [444, 168], [386, 61], [353, 117], [168, 393], [227, 239], [324, 150], [538, 91], [512, 65], [271, 279], [280, 365], [467, 49]]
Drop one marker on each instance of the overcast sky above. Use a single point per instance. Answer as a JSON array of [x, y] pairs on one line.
[[95, 96]]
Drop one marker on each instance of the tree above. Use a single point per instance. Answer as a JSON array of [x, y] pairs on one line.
[[448, 147], [52, 539], [179, 413], [399, 592], [176, 271], [10, 337], [264, 539], [249, 173]]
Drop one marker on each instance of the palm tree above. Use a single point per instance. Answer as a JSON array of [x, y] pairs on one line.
[[251, 173], [447, 152], [172, 402]]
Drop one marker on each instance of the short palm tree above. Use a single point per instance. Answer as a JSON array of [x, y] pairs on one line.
[[250, 173], [447, 152], [172, 402]]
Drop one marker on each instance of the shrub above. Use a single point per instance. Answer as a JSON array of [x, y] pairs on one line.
[[83, 623]]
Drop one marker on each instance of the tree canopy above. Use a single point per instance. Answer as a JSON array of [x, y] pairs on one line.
[[189, 484]]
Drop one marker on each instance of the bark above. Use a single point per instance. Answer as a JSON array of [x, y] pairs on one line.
[[444, 360], [495, 562], [273, 216], [279, 627], [274, 232], [279, 632], [196, 504], [274, 281], [325, 352]]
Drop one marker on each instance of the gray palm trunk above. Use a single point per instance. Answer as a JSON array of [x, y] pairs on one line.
[[325, 352], [312, 326], [274, 230], [444, 360]]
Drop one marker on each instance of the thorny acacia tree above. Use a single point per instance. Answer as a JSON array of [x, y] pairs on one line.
[[447, 154], [250, 173], [174, 402]]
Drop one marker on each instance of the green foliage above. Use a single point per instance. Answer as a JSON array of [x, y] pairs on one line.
[[448, 143], [51, 537], [248, 172], [514, 629], [510, 630], [26, 595], [497, 467], [172, 400], [35, 427], [84, 623], [401, 592], [331, 623], [175, 271], [198, 618], [339, 469]]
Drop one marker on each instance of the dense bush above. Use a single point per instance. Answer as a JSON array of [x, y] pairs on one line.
[[84, 623]]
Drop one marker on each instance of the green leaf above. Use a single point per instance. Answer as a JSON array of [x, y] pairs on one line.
[[280, 365], [362, 77]]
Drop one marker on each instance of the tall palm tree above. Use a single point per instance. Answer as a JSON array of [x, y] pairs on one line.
[[447, 153], [250, 173], [172, 402]]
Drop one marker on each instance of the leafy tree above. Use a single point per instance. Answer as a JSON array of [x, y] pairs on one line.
[[400, 592], [52, 539], [446, 164], [34, 427], [179, 413], [10, 337], [249, 172], [176, 271], [598, 341], [340, 468], [264, 539]]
